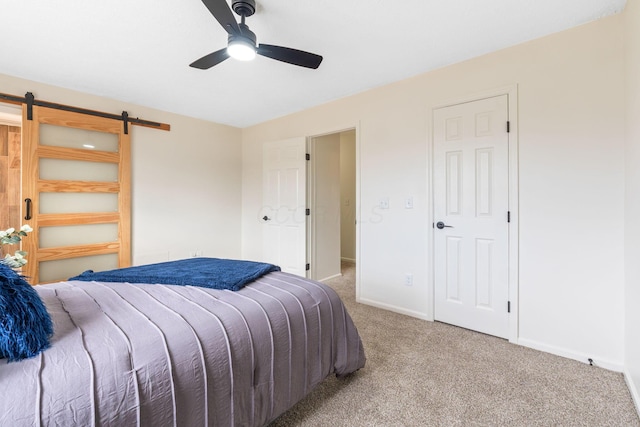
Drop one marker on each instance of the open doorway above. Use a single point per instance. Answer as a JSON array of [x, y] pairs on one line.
[[331, 194], [10, 167]]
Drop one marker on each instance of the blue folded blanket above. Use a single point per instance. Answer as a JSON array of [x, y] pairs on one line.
[[211, 273]]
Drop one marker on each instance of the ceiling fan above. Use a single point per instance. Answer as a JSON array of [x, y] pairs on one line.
[[242, 41]]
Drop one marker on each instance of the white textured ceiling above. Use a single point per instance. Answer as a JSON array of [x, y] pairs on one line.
[[139, 51]]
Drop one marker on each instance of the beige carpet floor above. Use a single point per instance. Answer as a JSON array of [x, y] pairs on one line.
[[422, 373]]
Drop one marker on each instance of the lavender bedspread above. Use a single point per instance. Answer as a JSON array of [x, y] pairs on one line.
[[159, 355]]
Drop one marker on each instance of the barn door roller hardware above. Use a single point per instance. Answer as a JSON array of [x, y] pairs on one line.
[[30, 101]]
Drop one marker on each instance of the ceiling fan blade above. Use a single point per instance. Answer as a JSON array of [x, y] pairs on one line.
[[292, 56], [221, 11], [211, 59]]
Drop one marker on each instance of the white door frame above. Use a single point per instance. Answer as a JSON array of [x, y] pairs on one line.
[[311, 200], [512, 95]]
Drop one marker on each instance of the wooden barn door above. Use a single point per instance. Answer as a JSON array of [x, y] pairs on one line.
[[76, 192]]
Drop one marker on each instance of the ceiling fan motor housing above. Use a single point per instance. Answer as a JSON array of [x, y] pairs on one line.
[[247, 35], [244, 7]]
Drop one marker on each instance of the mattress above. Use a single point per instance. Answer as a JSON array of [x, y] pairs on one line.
[[162, 355]]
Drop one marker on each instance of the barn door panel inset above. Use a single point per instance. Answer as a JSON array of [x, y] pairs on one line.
[[76, 187]]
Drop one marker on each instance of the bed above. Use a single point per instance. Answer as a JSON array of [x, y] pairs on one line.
[[127, 354]]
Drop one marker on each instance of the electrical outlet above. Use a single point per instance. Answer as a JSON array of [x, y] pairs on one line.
[[408, 279], [384, 203]]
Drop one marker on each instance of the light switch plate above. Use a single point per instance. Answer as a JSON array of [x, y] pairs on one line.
[[408, 202]]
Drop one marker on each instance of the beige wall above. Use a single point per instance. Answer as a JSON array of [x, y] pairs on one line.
[[348, 195], [571, 184], [632, 197], [186, 182]]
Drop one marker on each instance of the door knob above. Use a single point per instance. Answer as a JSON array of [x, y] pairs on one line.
[[266, 218], [442, 225]]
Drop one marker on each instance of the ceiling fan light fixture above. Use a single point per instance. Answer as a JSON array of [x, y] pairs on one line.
[[242, 43], [241, 49]]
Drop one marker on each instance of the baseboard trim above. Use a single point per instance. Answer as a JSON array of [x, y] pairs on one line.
[[393, 308], [330, 277], [352, 261], [634, 389], [563, 352]]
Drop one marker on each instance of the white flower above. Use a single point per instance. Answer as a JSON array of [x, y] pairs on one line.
[[15, 261], [12, 237]]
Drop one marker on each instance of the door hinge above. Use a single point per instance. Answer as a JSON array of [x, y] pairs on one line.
[[308, 156], [508, 216], [307, 267], [508, 126], [308, 212], [508, 306]]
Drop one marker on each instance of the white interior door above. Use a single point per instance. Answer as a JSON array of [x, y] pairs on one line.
[[284, 204], [471, 203]]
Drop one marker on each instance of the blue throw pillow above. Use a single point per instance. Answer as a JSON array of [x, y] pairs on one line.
[[25, 324]]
